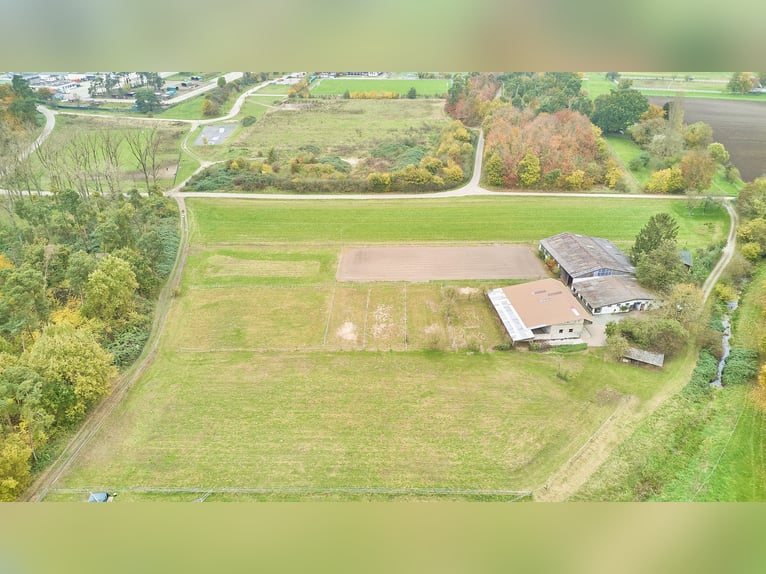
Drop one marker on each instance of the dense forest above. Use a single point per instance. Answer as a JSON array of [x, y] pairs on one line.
[[79, 274]]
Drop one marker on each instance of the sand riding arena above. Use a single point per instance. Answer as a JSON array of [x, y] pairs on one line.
[[428, 263]]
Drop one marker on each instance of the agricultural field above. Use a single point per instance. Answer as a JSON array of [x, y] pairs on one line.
[[337, 87], [345, 128], [72, 129], [738, 125], [480, 219], [278, 382]]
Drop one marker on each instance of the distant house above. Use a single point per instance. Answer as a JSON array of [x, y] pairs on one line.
[[612, 294], [639, 356], [580, 256], [539, 311]]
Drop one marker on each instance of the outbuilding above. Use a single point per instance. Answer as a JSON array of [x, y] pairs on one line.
[[612, 294]]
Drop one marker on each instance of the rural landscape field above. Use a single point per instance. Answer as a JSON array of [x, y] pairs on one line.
[[278, 382], [276, 286]]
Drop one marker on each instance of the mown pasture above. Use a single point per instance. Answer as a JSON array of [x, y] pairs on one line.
[[259, 382], [337, 87]]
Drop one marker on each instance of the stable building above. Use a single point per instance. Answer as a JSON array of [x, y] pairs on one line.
[[580, 256], [612, 294], [539, 311]]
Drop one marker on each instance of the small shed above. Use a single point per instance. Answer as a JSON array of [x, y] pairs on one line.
[[686, 258], [101, 497], [641, 357]]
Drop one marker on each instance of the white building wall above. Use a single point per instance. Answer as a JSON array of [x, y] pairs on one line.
[[622, 307], [561, 331]]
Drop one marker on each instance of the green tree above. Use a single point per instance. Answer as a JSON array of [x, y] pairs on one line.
[[494, 167], [751, 201], [698, 169], [741, 82], [81, 265], [109, 291], [660, 229], [412, 93], [529, 169], [618, 110], [69, 357], [147, 101], [685, 304], [698, 135], [24, 303], [14, 466], [221, 82], [661, 268], [718, 152]]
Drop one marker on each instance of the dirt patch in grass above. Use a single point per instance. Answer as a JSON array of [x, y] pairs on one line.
[[439, 263]]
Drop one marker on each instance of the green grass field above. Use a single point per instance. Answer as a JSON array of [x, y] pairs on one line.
[[271, 375], [348, 128], [514, 219], [337, 87]]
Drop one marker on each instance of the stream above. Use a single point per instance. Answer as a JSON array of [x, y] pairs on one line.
[[726, 322]]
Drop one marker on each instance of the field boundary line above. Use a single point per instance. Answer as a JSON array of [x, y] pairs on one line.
[[515, 494], [405, 317], [723, 451], [329, 314], [366, 313]]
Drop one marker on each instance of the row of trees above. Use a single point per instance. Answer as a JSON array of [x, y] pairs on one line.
[[92, 162]]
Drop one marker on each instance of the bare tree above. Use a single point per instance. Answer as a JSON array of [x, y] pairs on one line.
[[144, 146]]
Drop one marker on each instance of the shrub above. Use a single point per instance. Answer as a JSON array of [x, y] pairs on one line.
[[741, 366], [247, 121]]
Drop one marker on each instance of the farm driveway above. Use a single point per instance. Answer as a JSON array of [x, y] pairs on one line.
[[411, 263]]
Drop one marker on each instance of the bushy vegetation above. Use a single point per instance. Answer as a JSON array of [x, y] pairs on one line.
[[681, 157], [78, 277], [402, 165]]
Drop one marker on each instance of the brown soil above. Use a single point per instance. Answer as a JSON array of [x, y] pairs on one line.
[[439, 263]]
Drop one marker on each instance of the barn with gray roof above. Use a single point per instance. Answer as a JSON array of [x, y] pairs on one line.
[[580, 256], [612, 294]]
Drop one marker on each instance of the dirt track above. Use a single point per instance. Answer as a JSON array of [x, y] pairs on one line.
[[413, 263], [739, 125]]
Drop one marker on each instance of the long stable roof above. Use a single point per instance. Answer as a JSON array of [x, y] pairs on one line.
[[580, 255], [529, 306], [611, 290]]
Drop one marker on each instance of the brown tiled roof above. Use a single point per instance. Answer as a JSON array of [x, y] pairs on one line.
[[545, 302]]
